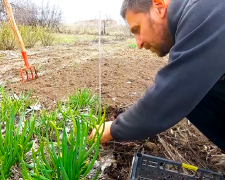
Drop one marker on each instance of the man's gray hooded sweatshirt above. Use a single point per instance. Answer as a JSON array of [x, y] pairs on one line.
[[192, 84]]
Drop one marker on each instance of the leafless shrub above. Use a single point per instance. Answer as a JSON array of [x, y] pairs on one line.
[[26, 12], [46, 36], [50, 16], [7, 38]]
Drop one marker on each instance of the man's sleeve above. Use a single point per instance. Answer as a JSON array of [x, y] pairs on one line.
[[197, 61]]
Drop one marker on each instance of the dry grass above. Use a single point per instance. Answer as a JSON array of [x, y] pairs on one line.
[[186, 144], [92, 28]]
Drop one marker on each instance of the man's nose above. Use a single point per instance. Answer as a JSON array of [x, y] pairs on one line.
[[140, 43]]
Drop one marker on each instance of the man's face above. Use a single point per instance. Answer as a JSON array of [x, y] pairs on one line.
[[151, 30]]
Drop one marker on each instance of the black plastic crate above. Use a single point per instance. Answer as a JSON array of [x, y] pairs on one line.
[[147, 167]]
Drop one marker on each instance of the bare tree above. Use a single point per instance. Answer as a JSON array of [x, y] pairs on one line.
[[50, 15], [2, 12], [25, 12], [106, 21]]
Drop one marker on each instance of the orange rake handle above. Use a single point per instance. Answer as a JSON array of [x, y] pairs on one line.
[[20, 41], [24, 54]]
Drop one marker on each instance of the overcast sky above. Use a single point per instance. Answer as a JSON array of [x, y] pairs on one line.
[[75, 10]]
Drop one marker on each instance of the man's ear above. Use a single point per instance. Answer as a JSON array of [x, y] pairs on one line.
[[160, 6]]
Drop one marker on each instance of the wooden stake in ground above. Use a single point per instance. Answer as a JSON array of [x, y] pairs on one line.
[[100, 58]]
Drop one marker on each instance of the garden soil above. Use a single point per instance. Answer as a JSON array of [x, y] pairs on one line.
[[126, 75]]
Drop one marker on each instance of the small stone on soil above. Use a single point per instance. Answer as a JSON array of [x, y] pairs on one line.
[[151, 146]]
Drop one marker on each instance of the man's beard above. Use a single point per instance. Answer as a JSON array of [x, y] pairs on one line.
[[164, 49], [165, 36]]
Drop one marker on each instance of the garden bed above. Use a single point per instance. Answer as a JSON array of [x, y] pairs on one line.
[[126, 74]]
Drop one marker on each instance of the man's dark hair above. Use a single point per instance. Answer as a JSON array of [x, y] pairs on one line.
[[137, 6]]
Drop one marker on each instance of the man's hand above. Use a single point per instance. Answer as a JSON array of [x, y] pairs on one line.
[[106, 137]]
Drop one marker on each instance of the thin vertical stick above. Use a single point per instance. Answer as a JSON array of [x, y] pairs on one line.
[[100, 58]]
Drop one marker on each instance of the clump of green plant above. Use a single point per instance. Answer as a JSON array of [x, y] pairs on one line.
[[15, 142], [64, 150], [30, 35], [9, 103], [83, 99], [47, 36], [15, 130], [7, 38], [71, 158]]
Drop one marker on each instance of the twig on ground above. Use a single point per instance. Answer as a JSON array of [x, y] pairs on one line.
[[166, 147]]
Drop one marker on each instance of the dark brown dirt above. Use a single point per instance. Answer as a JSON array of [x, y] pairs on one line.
[[126, 73], [183, 143]]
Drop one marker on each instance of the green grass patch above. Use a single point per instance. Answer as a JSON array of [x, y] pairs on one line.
[[65, 39], [133, 46], [73, 39]]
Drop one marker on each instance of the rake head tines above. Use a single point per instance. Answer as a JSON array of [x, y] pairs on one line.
[[30, 71]]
